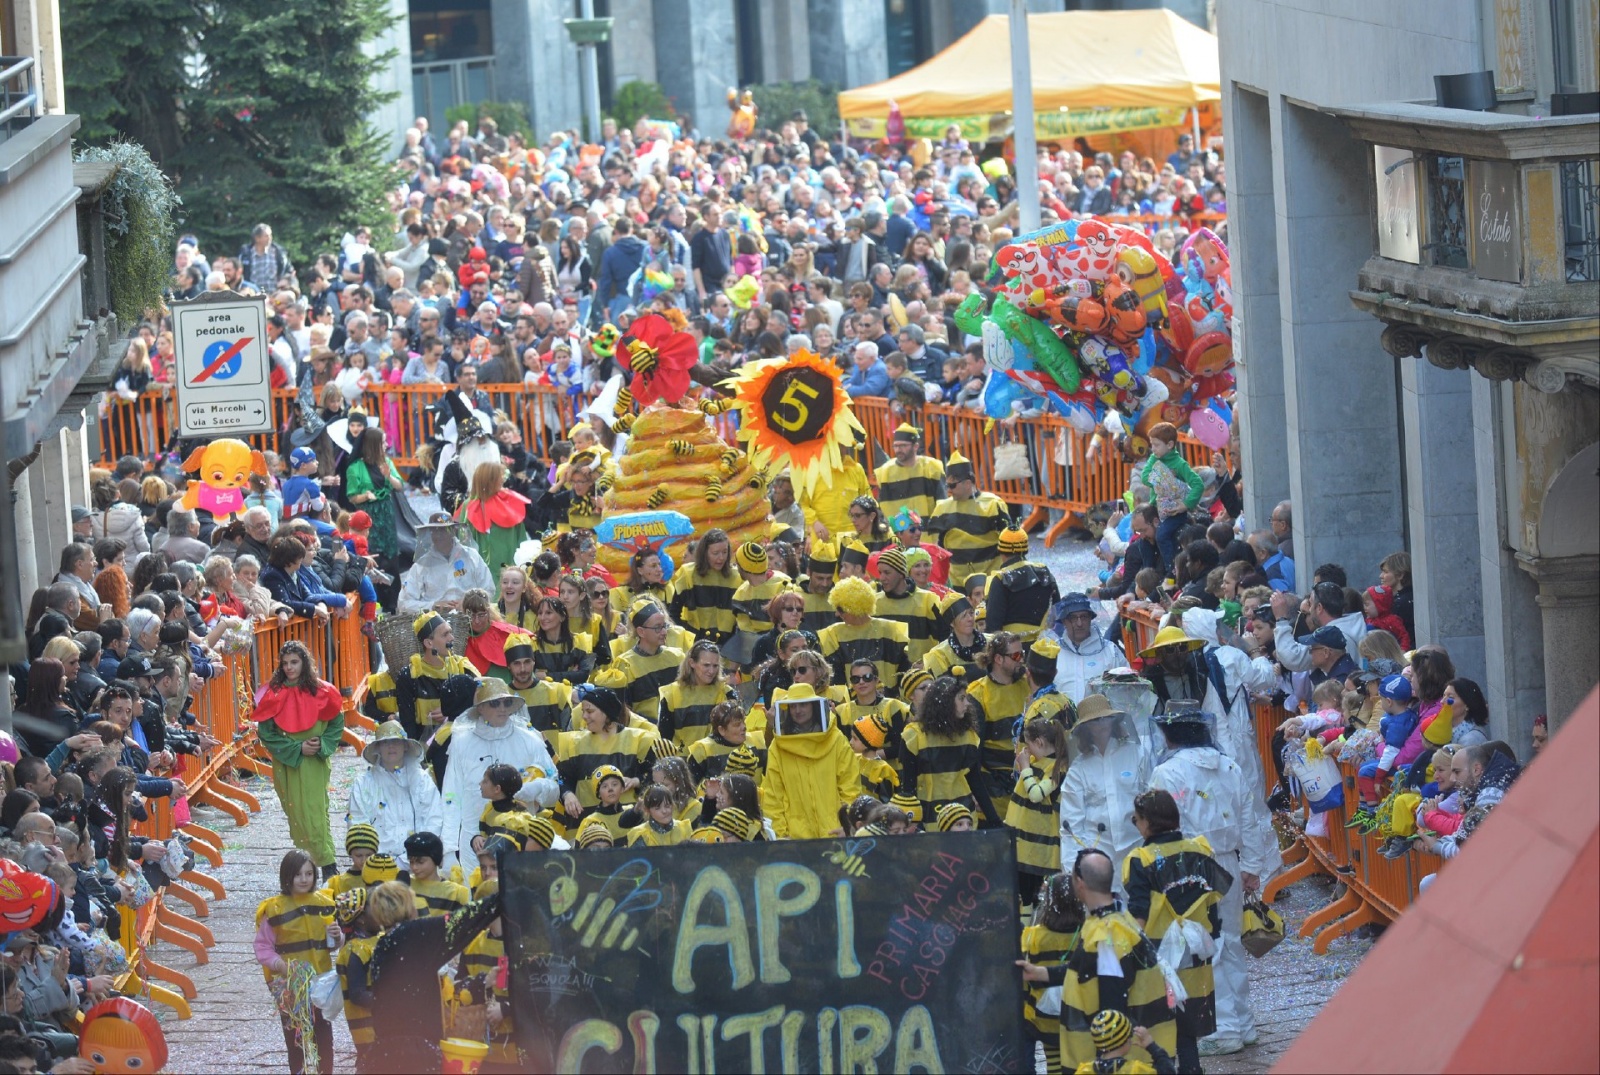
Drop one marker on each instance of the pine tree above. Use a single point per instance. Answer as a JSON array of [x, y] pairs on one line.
[[124, 62], [277, 128]]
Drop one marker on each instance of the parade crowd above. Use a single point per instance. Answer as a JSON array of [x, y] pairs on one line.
[[888, 661]]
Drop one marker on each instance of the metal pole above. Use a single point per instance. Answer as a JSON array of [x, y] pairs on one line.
[[1022, 120], [589, 59]]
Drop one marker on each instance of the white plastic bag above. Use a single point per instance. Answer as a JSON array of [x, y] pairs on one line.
[[326, 994]]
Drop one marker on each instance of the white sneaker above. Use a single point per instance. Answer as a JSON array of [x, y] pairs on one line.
[[1220, 1046]]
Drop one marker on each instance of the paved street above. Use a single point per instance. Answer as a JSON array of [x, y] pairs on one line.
[[236, 1029]]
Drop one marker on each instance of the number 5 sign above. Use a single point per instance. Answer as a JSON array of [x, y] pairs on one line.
[[800, 403]]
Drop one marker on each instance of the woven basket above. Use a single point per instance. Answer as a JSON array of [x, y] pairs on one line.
[[399, 641]]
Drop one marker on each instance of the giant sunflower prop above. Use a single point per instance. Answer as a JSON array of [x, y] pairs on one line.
[[796, 409]]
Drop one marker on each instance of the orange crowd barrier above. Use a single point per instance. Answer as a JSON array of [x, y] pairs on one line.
[[1065, 477]]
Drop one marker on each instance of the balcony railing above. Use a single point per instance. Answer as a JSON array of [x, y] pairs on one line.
[[1580, 205], [19, 94]]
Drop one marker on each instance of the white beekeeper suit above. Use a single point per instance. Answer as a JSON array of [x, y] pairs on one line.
[[1234, 727], [1097, 793], [1213, 799], [441, 574], [1081, 662], [491, 734], [396, 802]]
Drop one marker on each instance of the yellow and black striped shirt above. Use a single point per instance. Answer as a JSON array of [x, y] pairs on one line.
[[439, 896], [918, 609], [703, 602], [641, 677], [883, 642], [1002, 704], [919, 487], [1034, 815], [970, 531], [359, 1018], [939, 768], [421, 682], [684, 713]]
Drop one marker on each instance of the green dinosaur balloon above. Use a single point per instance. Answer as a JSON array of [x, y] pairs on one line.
[[969, 315], [1049, 353]]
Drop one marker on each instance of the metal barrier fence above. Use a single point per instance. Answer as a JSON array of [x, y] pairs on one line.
[[1064, 479]]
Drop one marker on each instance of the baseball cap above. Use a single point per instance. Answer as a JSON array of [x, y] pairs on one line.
[[1396, 688], [137, 667], [300, 457], [1326, 635], [80, 513]]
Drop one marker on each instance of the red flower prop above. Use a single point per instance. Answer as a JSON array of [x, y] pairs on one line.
[[659, 357]]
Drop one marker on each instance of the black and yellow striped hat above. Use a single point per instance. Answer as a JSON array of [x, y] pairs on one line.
[[741, 759], [593, 831], [379, 868], [733, 821], [1109, 1030], [894, 560], [909, 803], [751, 557], [361, 837], [950, 813]]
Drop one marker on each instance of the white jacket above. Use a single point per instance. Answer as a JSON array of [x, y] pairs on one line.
[[435, 577], [1235, 726], [1297, 658], [1097, 802], [1076, 666], [474, 746], [397, 803], [125, 522], [1213, 802]]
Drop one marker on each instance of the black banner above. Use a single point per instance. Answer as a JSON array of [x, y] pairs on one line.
[[895, 954]]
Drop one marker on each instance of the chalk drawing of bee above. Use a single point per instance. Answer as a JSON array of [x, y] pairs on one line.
[[849, 856], [602, 917]]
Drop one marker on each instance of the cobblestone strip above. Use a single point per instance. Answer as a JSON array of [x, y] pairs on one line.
[[235, 1027]]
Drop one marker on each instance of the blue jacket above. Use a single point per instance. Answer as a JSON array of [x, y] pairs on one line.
[[621, 259], [1397, 727], [1279, 570], [873, 382], [898, 231]]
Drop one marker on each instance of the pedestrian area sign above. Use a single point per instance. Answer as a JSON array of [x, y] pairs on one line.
[[224, 382]]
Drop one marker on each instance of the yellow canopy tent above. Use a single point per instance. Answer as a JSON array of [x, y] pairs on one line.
[[1112, 70]]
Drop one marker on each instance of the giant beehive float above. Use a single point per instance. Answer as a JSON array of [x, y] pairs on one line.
[[676, 462]]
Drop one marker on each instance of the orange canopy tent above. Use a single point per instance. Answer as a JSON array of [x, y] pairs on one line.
[[1497, 966]]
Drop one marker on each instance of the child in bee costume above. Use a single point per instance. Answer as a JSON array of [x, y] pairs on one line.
[[485, 974], [1057, 916], [1113, 965], [1114, 1039], [1175, 889], [434, 895], [349, 911]]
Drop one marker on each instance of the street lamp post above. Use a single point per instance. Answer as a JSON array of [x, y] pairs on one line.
[[589, 33], [1022, 120]]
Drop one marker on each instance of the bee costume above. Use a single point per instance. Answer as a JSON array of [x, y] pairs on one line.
[[1140, 991], [969, 529], [410, 694], [919, 486]]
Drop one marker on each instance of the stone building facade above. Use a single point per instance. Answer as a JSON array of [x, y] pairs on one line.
[[1417, 315]]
